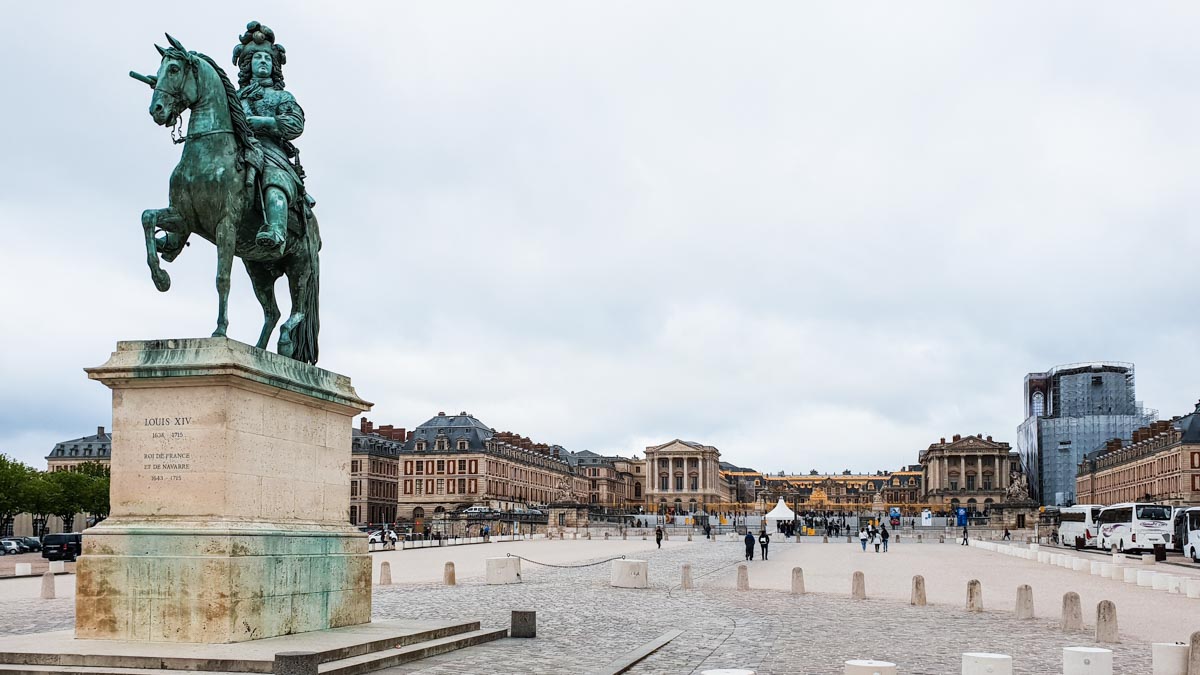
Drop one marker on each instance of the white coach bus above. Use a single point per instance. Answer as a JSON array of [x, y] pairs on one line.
[[1134, 527], [1187, 532], [1077, 526]]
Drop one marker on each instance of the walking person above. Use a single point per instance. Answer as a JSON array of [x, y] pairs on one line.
[[876, 539], [965, 536], [764, 540], [658, 536], [749, 545], [862, 538], [1007, 535], [883, 534]]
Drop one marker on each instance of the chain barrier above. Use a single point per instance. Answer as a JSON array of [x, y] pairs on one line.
[[591, 564]]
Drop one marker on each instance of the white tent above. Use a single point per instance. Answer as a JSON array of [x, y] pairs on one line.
[[781, 512]]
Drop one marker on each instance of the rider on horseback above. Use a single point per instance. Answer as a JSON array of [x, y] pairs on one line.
[[276, 119]]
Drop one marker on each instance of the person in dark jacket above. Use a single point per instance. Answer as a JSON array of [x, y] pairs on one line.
[[883, 534], [764, 540], [965, 536], [749, 546], [658, 536]]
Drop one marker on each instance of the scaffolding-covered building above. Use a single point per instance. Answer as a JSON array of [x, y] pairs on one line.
[[1070, 411]]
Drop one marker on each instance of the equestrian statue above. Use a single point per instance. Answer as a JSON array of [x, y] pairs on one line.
[[239, 183]]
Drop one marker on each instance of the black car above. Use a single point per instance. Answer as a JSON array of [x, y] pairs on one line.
[[33, 543], [62, 546]]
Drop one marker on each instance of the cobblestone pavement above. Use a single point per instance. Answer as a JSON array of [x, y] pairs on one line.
[[583, 623]]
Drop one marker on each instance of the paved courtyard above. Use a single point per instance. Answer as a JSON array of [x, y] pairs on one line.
[[583, 623]]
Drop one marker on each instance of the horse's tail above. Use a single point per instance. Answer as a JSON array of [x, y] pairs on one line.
[[304, 336]]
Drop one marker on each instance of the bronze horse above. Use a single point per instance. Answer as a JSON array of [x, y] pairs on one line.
[[215, 193]]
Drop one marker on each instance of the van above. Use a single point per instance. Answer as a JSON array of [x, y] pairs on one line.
[[65, 546], [477, 511], [1077, 526], [1134, 527]]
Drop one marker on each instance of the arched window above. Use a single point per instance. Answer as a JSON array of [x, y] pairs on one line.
[[418, 513], [1038, 404], [439, 510]]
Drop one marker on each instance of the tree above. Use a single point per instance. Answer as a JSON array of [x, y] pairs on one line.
[[95, 499], [41, 496], [14, 477], [72, 491]]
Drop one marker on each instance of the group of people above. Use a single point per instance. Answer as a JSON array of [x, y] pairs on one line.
[[764, 540], [878, 536]]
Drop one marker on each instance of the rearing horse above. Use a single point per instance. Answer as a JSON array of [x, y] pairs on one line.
[[215, 193]]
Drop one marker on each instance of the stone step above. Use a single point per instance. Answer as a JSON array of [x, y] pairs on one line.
[[367, 663], [386, 656]]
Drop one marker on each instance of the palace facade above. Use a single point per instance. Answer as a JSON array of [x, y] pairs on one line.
[[684, 476], [375, 473], [1160, 464], [968, 471]]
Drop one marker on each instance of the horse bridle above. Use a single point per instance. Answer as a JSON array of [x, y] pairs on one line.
[[189, 66]]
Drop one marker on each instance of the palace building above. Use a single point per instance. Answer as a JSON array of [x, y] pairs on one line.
[[375, 473], [67, 455], [683, 476], [1160, 464], [972, 472], [613, 481], [455, 461]]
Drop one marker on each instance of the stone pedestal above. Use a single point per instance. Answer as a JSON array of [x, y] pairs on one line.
[[229, 499]]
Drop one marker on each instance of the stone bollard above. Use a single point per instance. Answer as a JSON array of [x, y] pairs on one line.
[[523, 624], [1169, 658], [58, 566], [1024, 601], [502, 571], [1079, 564], [1145, 578], [919, 539], [385, 573], [1095, 567], [1106, 622], [978, 663], [48, 586], [1194, 657], [869, 667], [941, 538], [689, 535], [686, 583], [1161, 581], [743, 578], [858, 586], [1072, 613], [448, 574], [23, 569], [1192, 588], [1130, 574], [630, 574], [296, 663], [624, 535], [1087, 661], [917, 598], [605, 536], [666, 535], [1175, 584], [974, 596], [797, 581], [825, 539]]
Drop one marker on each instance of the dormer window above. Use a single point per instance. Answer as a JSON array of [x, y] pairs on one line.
[[420, 446], [462, 445]]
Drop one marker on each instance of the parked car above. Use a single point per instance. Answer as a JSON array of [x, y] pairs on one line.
[[477, 511], [536, 512], [8, 547], [65, 546], [33, 543], [22, 547]]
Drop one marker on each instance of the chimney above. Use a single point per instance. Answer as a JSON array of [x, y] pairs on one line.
[[365, 426], [942, 440], [99, 431], [956, 438], [399, 435], [989, 438], [441, 413]]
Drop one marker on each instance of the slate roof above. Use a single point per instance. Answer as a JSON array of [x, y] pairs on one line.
[[98, 446], [373, 444], [454, 428]]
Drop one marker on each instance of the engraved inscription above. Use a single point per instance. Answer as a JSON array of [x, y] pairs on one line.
[[170, 461]]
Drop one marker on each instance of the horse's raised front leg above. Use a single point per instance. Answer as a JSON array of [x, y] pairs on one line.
[[150, 222], [226, 241], [263, 278]]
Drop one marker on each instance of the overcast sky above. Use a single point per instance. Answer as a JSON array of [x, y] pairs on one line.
[[815, 236]]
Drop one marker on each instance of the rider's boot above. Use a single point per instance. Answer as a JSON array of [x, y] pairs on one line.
[[273, 234]]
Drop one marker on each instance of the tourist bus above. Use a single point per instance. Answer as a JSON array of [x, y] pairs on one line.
[[1187, 532], [1077, 526], [1134, 526]]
